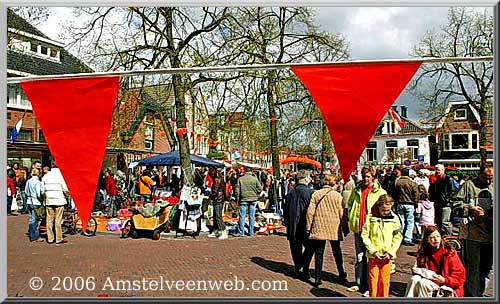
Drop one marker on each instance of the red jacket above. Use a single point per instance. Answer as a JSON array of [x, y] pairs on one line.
[[10, 184], [111, 186], [452, 269]]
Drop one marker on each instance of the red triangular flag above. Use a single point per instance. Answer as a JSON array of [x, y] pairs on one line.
[[75, 116], [353, 99]]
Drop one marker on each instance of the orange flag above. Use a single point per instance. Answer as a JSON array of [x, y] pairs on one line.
[[353, 99], [75, 116]]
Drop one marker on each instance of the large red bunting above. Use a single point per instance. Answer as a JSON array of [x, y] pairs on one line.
[[353, 99], [75, 117]]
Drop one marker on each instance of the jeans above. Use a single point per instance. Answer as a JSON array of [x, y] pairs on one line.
[[33, 223], [406, 216], [443, 215], [418, 228], [9, 204], [243, 215], [361, 265], [218, 221], [24, 209], [478, 262]]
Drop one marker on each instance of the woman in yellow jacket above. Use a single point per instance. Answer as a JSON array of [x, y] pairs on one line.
[[382, 237]]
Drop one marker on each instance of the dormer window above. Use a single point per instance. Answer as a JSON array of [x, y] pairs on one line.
[[460, 114], [45, 51]]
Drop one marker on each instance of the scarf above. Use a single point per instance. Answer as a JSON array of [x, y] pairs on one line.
[[364, 206]]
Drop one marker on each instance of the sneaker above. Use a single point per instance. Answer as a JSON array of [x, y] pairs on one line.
[[236, 235], [223, 236], [353, 288], [212, 235], [366, 294]]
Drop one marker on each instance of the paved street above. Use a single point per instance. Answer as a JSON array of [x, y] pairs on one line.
[[104, 259]]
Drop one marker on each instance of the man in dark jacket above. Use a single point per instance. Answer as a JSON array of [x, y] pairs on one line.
[[406, 191], [441, 192], [294, 217]]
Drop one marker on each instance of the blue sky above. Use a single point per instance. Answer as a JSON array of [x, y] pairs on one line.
[[373, 32]]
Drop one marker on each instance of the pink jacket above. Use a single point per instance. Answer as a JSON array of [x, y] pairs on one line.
[[427, 213]]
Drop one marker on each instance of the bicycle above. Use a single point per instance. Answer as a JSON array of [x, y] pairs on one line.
[[72, 224]]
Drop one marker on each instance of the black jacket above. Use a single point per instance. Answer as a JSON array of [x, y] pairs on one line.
[[295, 211], [441, 192]]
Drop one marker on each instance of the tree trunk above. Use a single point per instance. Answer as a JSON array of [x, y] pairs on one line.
[[180, 110], [180, 103], [272, 124]]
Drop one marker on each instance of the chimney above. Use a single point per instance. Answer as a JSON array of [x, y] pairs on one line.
[[404, 111]]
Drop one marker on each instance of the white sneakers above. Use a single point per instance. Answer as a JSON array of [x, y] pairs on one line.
[[355, 288], [223, 235]]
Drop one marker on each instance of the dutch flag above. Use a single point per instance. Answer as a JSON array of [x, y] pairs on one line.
[[16, 130], [399, 123]]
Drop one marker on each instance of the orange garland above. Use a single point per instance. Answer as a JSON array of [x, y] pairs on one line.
[[301, 160]]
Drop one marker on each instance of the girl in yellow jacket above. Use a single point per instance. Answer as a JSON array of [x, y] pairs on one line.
[[382, 237]]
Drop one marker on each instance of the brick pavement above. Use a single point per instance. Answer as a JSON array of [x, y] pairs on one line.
[[107, 256]]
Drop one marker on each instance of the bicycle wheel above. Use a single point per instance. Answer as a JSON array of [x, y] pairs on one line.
[[127, 227], [92, 226]]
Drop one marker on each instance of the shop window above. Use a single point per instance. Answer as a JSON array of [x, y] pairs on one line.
[[460, 114], [371, 151]]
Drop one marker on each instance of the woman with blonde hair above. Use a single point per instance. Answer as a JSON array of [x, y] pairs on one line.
[[324, 223]]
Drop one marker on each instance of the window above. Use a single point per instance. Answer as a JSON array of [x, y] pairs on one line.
[[41, 137], [390, 128], [149, 132], [34, 47], [474, 141], [390, 149], [460, 114], [16, 96], [45, 50], [23, 135], [412, 145], [371, 151], [460, 141]]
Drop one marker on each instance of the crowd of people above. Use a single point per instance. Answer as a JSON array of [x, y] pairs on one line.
[[380, 209], [383, 209]]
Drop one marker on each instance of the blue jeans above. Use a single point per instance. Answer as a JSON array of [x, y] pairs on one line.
[[406, 216], [24, 209], [243, 215], [33, 223], [361, 264]]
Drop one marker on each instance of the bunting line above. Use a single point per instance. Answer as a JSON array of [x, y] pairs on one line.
[[242, 68]]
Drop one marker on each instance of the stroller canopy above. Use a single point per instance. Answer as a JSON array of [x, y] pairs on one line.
[[173, 159]]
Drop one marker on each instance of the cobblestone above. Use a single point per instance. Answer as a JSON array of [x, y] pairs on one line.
[[108, 257]]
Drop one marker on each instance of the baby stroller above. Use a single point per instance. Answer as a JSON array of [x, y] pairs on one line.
[[189, 212], [152, 218]]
